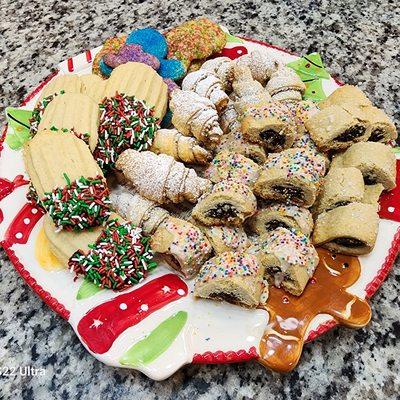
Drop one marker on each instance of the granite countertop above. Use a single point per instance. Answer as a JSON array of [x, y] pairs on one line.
[[359, 43]]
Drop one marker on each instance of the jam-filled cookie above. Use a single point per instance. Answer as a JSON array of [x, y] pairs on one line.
[[334, 128], [349, 229], [341, 186], [288, 257], [233, 277], [279, 215], [230, 165], [291, 176], [376, 162], [183, 245], [372, 193], [229, 203]]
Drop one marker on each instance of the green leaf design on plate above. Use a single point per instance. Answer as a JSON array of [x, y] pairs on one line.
[[310, 67], [18, 121], [314, 91], [396, 150], [232, 39], [87, 289], [160, 338]]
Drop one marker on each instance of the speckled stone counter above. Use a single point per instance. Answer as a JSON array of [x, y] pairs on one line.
[[359, 43]]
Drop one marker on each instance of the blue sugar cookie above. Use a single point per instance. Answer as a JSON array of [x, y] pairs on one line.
[[152, 41], [104, 68], [172, 69]]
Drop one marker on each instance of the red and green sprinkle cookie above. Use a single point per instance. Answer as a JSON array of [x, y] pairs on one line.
[[38, 112], [125, 123], [120, 258], [80, 204]]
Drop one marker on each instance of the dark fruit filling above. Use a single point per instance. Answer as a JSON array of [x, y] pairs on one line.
[[351, 133], [370, 179], [377, 135], [272, 270], [222, 210], [273, 224], [338, 204], [349, 242], [230, 298], [172, 261], [289, 191], [272, 139]]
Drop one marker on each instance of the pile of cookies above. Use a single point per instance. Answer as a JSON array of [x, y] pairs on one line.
[[237, 187]]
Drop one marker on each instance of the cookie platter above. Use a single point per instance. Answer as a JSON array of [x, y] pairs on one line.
[[226, 161]]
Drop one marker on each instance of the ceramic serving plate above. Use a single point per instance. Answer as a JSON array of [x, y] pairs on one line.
[[157, 326]]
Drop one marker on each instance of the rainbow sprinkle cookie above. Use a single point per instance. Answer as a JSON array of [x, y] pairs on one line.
[[120, 258], [194, 40], [230, 165], [111, 45], [125, 123], [233, 277]]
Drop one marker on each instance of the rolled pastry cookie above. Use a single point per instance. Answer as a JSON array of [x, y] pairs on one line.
[[278, 215], [229, 203], [376, 162], [292, 176], [223, 68], [334, 128], [346, 94], [234, 142], [70, 83], [349, 229], [372, 193], [226, 238], [228, 119], [68, 182], [285, 84], [182, 244], [341, 186], [229, 165], [268, 124], [288, 257], [139, 80], [104, 255], [140, 211], [93, 86], [76, 112], [232, 277]]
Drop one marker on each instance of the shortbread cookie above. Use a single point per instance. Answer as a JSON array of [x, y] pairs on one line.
[[142, 212], [233, 277], [292, 176], [288, 257], [226, 238], [180, 147], [230, 165], [376, 162], [229, 203], [67, 180], [341, 186], [93, 86], [372, 193], [334, 128], [75, 112], [350, 229], [277, 215], [269, 125], [285, 84], [234, 142], [182, 244], [141, 81], [70, 83], [206, 84], [300, 112], [160, 178]]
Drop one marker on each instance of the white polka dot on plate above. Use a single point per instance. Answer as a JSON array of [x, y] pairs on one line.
[[144, 307], [181, 292], [34, 210], [18, 235], [123, 306], [391, 209], [27, 221]]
